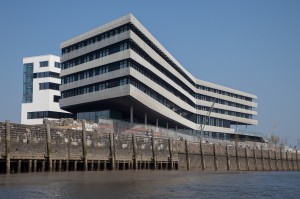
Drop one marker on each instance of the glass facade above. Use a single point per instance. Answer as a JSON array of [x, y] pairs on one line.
[[48, 114], [44, 63], [49, 85], [27, 82]]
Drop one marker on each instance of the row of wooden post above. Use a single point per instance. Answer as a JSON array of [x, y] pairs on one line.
[[216, 167]]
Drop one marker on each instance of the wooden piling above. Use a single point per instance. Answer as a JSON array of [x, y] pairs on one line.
[[43, 166], [262, 159], [34, 165], [134, 147], [187, 155], [255, 159], [215, 157], [281, 159], [75, 165], [19, 166], [227, 158], [276, 160], [297, 160], [49, 149], [7, 143], [269, 159], [237, 157], [112, 151], [29, 166], [287, 160], [247, 159], [170, 154], [153, 152], [84, 150], [202, 155], [105, 165], [59, 165], [69, 152], [54, 165]]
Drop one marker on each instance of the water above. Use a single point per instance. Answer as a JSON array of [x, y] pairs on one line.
[[151, 184]]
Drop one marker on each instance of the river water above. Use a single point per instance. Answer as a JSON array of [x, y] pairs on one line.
[[151, 184]]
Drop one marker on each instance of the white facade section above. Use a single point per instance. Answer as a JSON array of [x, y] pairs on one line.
[[234, 106], [42, 100]]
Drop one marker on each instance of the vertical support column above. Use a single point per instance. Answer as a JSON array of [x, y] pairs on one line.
[[187, 155], [202, 155], [153, 152], [98, 165], [171, 154], [84, 150], [54, 165], [30, 166], [7, 142], [69, 148], [49, 150], [247, 159], [287, 160], [59, 166], [215, 157], [227, 158], [281, 159], [112, 151], [34, 165], [255, 159], [134, 152], [276, 160], [262, 159], [75, 165], [297, 160], [156, 122], [131, 114], [92, 165], [19, 166], [167, 126], [105, 165], [269, 157], [146, 119], [237, 157], [43, 165]]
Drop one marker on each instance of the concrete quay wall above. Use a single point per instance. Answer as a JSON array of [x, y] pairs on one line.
[[39, 148]]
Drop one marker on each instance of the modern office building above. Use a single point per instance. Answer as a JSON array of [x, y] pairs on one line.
[[120, 71], [41, 93]]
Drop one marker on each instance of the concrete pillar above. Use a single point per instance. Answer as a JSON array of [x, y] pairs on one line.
[[112, 150], [19, 166], [228, 158], [170, 154], [202, 155], [75, 165], [131, 114], [84, 150], [215, 157], [7, 143], [187, 155], [146, 119], [49, 148], [135, 166], [247, 159], [34, 165], [255, 160], [153, 152]]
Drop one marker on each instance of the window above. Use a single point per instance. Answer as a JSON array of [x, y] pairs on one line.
[[27, 82], [56, 98], [44, 63], [49, 85], [48, 114], [57, 64]]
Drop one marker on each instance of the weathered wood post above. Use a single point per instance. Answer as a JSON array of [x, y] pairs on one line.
[[187, 155], [69, 150], [247, 159], [49, 148], [19, 166], [237, 157], [34, 165], [43, 165], [7, 142], [112, 151], [98, 165], [276, 160], [255, 159], [170, 154], [59, 165], [84, 150], [75, 165], [202, 155], [269, 157], [297, 160], [262, 158], [54, 165], [215, 157], [134, 147], [293, 164], [287, 160], [30, 166], [153, 152], [227, 158]]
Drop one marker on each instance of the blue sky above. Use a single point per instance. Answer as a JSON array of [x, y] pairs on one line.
[[253, 46]]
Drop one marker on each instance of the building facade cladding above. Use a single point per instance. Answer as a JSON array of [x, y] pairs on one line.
[[123, 54], [41, 89]]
